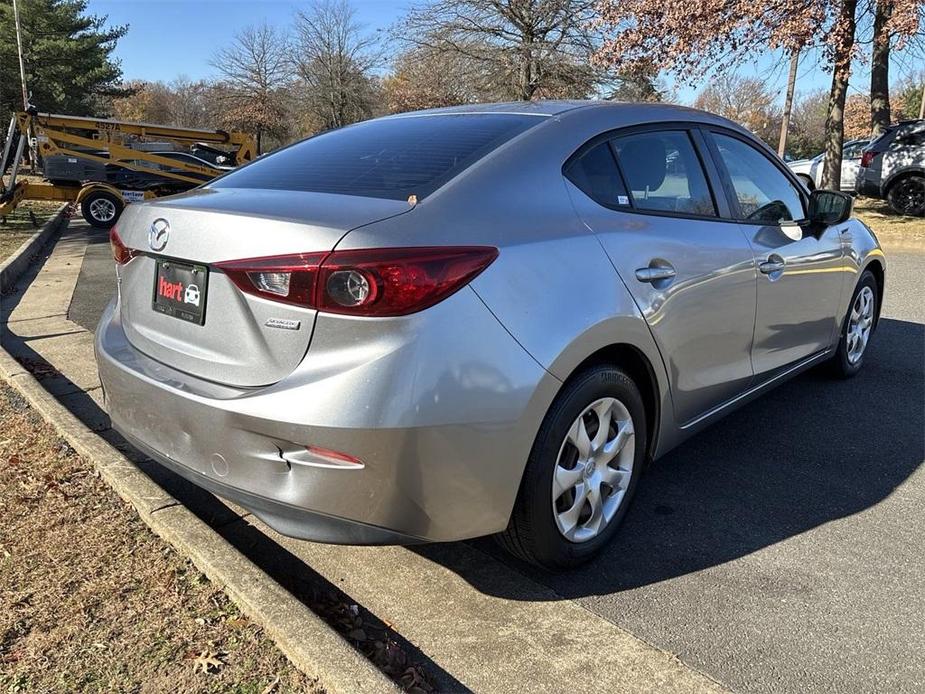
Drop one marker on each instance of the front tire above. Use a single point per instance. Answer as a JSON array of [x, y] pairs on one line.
[[101, 209], [582, 471], [857, 328]]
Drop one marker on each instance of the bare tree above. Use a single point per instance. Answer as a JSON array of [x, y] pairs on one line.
[[788, 102], [524, 48], [334, 60], [807, 128], [256, 71], [880, 69], [745, 100], [425, 78], [191, 103]]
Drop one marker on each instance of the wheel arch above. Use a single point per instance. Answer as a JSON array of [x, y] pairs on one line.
[[97, 187], [898, 176], [875, 265], [637, 365]]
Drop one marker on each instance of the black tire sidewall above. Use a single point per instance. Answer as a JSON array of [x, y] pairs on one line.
[[907, 180], [551, 549], [85, 209], [844, 367]]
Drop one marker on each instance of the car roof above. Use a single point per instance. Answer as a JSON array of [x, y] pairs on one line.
[[554, 107]]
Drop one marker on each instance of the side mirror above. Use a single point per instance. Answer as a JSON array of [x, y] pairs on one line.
[[828, 207]]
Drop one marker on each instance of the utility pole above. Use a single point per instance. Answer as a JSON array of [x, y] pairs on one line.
[[788, 103], [22, 68]]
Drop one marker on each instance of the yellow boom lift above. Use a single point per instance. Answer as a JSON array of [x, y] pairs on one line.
[[104, 164]]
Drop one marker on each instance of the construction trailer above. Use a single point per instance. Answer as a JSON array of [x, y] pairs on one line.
[[103, 165]]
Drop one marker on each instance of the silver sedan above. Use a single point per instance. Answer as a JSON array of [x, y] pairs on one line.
[[478, 320]]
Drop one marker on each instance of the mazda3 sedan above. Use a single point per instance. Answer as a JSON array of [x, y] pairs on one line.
[[477, 320]]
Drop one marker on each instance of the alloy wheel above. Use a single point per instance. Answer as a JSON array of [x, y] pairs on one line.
[[908, 196], [860, 323], [593, 470], [102, 210]]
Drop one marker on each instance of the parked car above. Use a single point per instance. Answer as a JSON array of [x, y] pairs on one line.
[[893, 168], [809, 171], [476, 320]]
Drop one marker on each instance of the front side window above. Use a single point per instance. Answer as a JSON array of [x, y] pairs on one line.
[[664, 173], [764, 193]]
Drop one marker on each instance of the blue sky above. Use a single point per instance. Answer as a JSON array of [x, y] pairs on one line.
[[167, 38]]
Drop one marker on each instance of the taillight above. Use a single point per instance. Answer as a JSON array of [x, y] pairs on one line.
[[120, 252], [371, 282], [286, 278], [866, 158]]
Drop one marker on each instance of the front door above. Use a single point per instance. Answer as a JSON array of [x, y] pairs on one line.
[[691, 275], [801, 274]]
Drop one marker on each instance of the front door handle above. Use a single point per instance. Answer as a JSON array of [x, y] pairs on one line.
[[773, 265], [653, 274]]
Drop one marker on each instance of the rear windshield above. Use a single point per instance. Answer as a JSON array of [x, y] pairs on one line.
[[387, 158]]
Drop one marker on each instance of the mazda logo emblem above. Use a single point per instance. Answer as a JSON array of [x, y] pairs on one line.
[[158, 234]]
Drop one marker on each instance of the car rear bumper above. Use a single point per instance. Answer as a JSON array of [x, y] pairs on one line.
[[286, 519], [868, 185], [442, 440]]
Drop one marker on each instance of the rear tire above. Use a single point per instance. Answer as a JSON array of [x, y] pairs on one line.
[[907, 196], [857, 327], [540, 530], [101, 209]]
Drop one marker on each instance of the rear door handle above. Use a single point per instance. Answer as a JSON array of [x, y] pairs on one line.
[[655, 274]]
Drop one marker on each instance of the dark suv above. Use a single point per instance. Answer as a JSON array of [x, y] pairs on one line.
[[893, 168]]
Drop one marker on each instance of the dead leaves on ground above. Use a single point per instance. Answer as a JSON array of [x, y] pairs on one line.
[[207, 662]]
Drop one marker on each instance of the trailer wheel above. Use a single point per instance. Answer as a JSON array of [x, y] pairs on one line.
[[101, 209]]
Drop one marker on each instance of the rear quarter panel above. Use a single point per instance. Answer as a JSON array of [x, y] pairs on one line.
[[552, 286]]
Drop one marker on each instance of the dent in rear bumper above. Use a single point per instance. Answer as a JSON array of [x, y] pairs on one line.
[[441, 408], [287, 520]]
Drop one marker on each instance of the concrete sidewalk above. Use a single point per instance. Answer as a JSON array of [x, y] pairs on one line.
[[34, 327], [529, 640]]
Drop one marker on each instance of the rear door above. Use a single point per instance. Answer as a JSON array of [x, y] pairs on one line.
[[644, 192], [800, 272]]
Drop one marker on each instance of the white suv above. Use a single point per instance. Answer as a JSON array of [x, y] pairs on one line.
[[893, 168]]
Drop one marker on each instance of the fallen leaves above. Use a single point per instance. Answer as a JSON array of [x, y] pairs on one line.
[[207, 662]]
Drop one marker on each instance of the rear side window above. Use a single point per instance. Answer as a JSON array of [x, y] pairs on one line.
[[664, 173], [596, 173], [911, 139], [388, 158]]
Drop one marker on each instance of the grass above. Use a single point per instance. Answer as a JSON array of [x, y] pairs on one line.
[[892, 229], [17, 226], [91, 600]]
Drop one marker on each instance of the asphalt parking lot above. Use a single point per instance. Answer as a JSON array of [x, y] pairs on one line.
[[781, 550]]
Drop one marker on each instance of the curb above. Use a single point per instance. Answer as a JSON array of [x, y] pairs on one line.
[[15, 265], [317, 650]]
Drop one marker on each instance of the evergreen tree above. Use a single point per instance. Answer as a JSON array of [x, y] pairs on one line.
[[67, 55]]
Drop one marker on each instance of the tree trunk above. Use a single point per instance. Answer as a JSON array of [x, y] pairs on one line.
[[880, 70], [259, 141], [788, 103], [835, 121]]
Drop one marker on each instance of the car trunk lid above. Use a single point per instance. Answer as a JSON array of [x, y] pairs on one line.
[[243, 340]]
